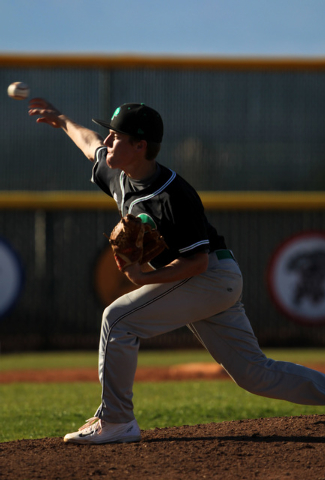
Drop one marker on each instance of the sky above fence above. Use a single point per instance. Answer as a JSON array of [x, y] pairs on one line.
[[172, 27]]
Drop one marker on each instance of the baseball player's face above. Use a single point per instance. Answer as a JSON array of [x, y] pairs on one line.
[[120, 152]]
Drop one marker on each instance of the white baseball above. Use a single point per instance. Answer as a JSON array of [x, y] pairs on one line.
[[18, 90]]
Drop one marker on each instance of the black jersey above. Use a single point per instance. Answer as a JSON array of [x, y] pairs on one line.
[[169, 204]]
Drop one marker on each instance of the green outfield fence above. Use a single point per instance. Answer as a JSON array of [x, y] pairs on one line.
[[249, 134]]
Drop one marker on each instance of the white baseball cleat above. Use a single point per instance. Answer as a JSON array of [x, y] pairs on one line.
[[97, 431]]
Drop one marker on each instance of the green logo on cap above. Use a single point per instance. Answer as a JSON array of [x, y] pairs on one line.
[[115, 114], [140, 132]]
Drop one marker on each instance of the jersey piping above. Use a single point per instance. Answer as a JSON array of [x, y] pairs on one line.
[[191, 247], [122, 191], [97, 160], [147, 197]]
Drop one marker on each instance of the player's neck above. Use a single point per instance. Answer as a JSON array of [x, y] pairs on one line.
[[141, 170]]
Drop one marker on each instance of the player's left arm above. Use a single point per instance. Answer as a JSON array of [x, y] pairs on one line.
[[179, 269]]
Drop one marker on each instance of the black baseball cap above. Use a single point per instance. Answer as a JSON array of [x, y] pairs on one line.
[[136, 119]]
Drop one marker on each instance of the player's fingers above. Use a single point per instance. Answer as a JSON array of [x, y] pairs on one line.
[[38, 101], [37, 111], [40, 111], [33, 111], [48, 114]]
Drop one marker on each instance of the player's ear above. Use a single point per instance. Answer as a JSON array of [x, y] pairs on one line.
[[141, 145]]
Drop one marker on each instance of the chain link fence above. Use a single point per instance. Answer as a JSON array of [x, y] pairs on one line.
[[226, 129]]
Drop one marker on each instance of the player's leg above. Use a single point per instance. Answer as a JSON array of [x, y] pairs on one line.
[[144, 313], [149, 311], [229, 338]]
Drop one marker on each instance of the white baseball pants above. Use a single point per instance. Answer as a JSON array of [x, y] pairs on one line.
[[209, 304]]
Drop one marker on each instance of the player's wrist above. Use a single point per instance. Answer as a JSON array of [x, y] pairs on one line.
[[135, 275], [63, 120]]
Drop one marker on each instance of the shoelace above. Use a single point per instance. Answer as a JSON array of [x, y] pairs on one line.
[[93, 424]]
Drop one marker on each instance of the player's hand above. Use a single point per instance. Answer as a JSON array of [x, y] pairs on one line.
[[135, 274], [48, 113]]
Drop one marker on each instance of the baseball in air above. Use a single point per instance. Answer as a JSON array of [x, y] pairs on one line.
[[18, 90]]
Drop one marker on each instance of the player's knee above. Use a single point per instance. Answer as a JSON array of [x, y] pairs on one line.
[[108, 316], [249, 384], [106, 312], [253, 376], [112, 315]]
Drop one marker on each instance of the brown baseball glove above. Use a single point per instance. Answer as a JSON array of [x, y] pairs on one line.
[[135, 242]]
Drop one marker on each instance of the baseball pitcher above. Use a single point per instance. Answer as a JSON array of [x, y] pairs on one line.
[[194, 278]]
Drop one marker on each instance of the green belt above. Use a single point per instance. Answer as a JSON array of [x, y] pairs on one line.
[[222, 254]]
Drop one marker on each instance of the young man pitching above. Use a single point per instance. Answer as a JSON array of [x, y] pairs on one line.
[[196, 281]]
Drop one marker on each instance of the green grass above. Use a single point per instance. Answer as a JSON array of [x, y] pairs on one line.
[[89, 359], [31, 410], [51, 410]]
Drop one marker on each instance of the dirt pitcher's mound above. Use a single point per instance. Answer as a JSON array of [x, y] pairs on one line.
[[191, 371], [270, 448]]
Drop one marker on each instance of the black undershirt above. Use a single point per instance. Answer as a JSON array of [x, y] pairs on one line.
[[138, 185]]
